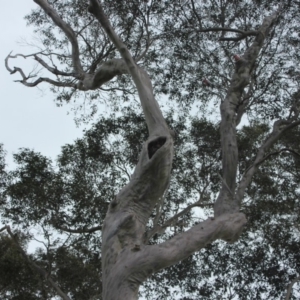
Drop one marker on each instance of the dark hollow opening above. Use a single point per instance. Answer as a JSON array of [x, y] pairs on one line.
[[155, 145]]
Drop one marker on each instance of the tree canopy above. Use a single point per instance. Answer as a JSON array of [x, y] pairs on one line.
[[226, 75]]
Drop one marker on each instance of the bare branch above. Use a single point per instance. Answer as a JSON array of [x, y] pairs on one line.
[[40, 79], [54, 71], [82, 230], [227, 29], [37, 268], [66, 28], [12, 71], [43, 79]]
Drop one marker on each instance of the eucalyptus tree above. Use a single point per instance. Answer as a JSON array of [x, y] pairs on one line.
[[226, 54]]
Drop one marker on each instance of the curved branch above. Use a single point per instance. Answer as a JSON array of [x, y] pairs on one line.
[[154, 118], [67, 30], [42, 79], [279, 128], [83, 230], [226, 203], [173, 220], [12, 71], [227, 227], [54, 71], [107, 71]]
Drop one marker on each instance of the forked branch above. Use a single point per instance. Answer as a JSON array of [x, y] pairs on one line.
[[154, 118], [226, 203], [66, 28], [227, 227], [279, 128]]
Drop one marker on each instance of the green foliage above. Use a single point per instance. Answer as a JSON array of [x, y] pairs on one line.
[[63, 200]]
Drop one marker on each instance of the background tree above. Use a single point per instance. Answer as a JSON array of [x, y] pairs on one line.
[[190, 49]]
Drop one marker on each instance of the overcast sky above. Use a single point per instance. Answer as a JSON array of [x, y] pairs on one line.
[[28, 116]]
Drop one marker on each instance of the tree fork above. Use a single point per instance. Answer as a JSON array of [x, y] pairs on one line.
[[226, 201]]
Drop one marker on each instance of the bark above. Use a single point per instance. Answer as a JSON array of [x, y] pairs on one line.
[[226, 201], [126, 260], [82, 80], [128, 214], [69, 32]]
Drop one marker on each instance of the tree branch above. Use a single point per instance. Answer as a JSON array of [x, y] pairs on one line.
[[54, 71], [226, 203], [107, 71], [274, 136], [40, 79], [154, 118], [82, 230], [173, 220], [3, 228], [227, 227], [40, 270], [227, 29], [66, 28], [129, 212]]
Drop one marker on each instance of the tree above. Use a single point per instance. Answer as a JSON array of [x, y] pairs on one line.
[[134, 234]]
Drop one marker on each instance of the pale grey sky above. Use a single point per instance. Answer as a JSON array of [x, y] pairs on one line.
[[28, 117]]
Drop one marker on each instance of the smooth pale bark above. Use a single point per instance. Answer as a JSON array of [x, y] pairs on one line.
[[126, 260], [125, 223], [84, 81], [66, 28], [226, 201]]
